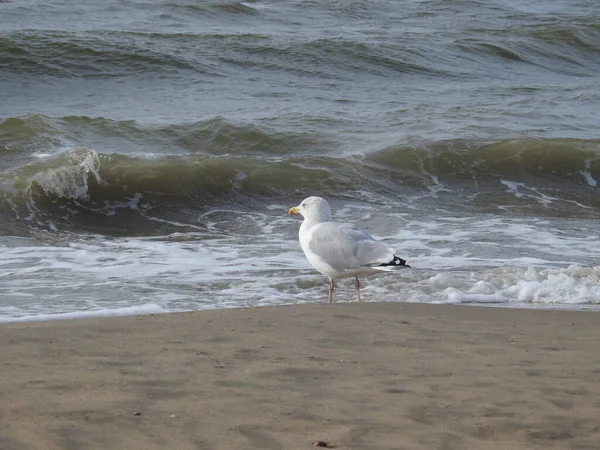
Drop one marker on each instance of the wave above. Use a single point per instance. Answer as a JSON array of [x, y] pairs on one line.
[[18, 134], [568, 47], [228, 7], [580, 35], [102, 192], [526, 159], [523, 159], [195, 177], [84, 188], [88, 55], [216, 136], [267, 162]]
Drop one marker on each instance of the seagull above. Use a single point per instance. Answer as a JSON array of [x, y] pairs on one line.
[[340, 250]]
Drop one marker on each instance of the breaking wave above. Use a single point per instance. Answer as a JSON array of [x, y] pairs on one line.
[[126, 172]]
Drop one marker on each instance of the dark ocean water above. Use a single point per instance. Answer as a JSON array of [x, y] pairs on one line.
[[149, 150]]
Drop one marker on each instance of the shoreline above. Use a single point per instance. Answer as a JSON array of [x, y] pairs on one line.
[[368, 375], [153, 309]]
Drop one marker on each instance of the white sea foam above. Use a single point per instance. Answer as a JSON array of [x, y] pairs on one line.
[[70, 179], [587, 174], [258, 261], [573, 285], [146, 309]]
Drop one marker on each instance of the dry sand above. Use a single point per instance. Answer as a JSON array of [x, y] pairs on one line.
[[355, 376]]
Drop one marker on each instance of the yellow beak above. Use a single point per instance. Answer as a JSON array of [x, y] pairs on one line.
[[294, 210]]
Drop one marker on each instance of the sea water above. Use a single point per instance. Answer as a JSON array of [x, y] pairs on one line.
[[149, 151]]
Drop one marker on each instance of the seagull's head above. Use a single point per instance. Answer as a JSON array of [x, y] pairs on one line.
[[313, 208]]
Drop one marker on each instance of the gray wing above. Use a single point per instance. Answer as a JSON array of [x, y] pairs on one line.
[[345, 247]]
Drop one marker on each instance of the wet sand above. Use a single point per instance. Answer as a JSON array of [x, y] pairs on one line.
[[353, 376]]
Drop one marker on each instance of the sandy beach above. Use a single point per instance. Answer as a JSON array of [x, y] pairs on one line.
[[347, 376]]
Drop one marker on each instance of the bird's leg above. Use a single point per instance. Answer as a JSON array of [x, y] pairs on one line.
[[331, 286], [357, 286]]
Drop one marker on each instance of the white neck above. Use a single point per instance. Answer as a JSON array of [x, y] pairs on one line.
[[316, 218]]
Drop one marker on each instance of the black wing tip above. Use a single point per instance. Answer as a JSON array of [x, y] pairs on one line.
[[396, 262]]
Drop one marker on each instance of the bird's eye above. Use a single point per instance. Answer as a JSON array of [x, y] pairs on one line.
[[304, 205]]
